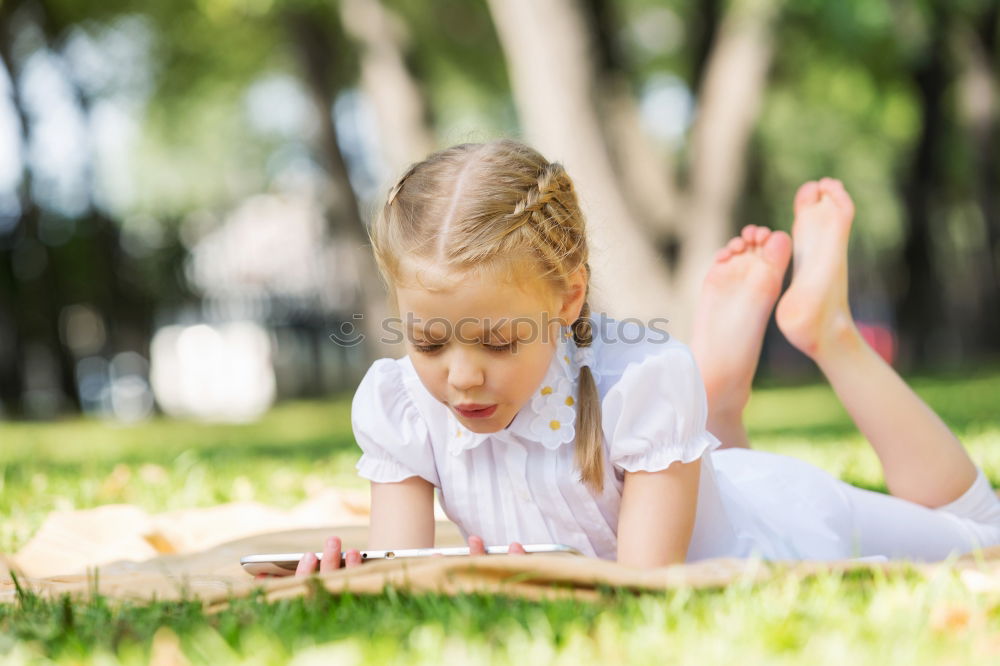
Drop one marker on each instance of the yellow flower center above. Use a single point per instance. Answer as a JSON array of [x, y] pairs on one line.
[[569, 400], [546, 390], [554, 424]]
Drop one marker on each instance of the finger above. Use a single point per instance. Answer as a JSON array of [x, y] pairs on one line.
[[307, 565], [476, 546], [331, 555], [516, 549], [353, 558]]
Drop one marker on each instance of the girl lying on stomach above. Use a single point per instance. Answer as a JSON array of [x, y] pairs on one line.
[[540, 423]]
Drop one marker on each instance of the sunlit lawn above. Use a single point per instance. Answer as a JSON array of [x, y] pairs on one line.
[[300, 448]]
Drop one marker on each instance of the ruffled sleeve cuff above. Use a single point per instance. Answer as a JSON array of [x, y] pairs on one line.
[[381, 469], [656, 458], [656, 413]]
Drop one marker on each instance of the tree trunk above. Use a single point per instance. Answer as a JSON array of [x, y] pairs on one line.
[[313, 48], [646, 173], [399, 104], [11, 300], [980, 113], [919, 309], [549, 58], [729, 101], [703, 28]]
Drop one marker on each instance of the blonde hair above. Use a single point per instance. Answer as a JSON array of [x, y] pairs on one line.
[[493, 206]]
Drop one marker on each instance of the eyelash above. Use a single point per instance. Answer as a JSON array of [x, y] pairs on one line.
[[426, 349], [430, 349]]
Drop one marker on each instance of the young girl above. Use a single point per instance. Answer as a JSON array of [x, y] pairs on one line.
[[539, 423]]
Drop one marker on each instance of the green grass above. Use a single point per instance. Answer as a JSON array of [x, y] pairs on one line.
[[295, 450]]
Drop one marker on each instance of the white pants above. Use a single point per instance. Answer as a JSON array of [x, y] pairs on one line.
[[785, 508], [900, 529]]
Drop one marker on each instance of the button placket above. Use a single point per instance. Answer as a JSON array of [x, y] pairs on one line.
[[517, 459]]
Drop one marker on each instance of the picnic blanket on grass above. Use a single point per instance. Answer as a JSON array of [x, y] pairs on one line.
[[121, 553]]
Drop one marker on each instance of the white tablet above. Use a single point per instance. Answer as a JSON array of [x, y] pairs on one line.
[[284, 564]]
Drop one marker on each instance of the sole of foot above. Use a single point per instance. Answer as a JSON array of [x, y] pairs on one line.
[[814, 312], [737, 296]]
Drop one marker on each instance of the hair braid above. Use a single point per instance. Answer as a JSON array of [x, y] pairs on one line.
[[589, 433], [541, 206]]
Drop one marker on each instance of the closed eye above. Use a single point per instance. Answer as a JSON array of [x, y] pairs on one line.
[[501, 348], [427, 349]]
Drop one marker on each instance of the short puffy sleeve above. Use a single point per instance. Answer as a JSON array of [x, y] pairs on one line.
[[390, 430], [656, 413]]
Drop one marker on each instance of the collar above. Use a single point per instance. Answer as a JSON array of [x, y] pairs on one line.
[[549, 417]]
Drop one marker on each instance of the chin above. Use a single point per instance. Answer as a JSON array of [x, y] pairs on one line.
[[481, 426]]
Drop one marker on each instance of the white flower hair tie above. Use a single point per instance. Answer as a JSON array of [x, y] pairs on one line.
[[584, 356]]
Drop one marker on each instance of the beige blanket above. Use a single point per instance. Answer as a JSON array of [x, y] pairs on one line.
[[124, 553]]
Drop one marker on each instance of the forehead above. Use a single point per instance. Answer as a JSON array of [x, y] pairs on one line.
[[493, 296]]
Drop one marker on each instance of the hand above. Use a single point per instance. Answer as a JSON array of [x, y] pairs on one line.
[[330, 561], [477, 547]]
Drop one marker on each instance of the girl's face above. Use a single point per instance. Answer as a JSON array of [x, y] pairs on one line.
[[482, 347]]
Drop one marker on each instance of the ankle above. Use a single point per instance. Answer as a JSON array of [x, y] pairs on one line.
[[841, 338]]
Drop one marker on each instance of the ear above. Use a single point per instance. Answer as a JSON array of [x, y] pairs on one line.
[[576, 294]]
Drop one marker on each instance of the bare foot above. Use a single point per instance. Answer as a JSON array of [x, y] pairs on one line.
[[736, 300], [813, 314]]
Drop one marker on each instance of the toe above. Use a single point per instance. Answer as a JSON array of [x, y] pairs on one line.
[[761, 235], [736, 245], [836, 191], [723, 255], [749, 232], [808, 194], [778, 248]]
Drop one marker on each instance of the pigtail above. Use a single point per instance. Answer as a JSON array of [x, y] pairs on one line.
[[589, 433]]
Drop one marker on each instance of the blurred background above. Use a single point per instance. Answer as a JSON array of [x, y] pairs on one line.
[[185, 185]]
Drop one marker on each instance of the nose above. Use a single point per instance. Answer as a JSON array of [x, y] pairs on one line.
[[464, 370]]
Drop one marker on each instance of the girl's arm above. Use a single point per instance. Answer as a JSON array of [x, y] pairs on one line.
[[656, 517], [402, 515]]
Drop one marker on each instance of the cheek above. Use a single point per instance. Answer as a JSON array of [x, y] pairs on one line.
[[530, 370], [431, 376]]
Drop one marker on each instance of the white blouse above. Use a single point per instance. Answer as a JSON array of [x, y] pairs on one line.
[[521, 484]]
